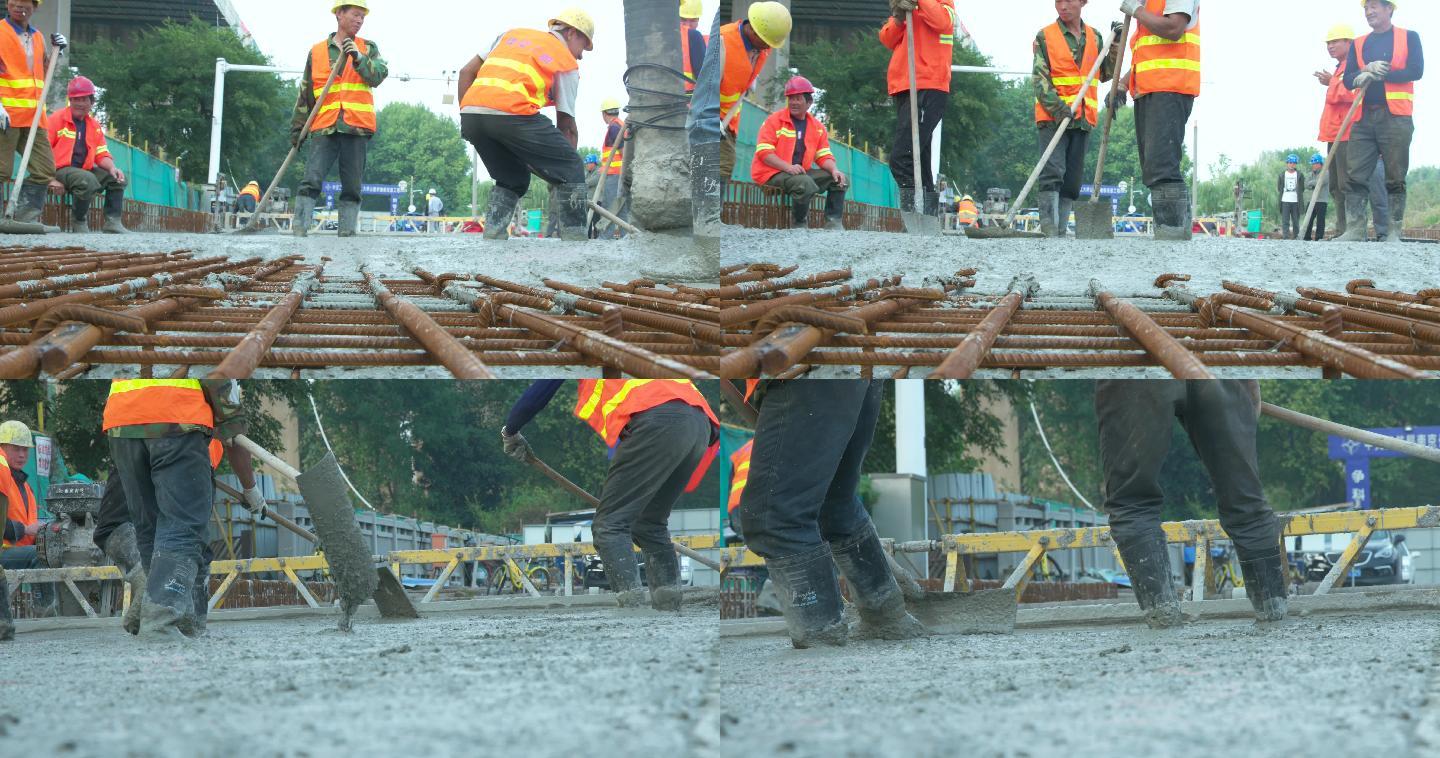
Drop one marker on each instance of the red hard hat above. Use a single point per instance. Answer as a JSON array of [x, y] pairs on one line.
[[799, 85], [81, 86]]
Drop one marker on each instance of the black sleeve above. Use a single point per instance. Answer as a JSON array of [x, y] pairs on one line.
[[1414, 64], [536, 397], [1352, 68], [697, 51]]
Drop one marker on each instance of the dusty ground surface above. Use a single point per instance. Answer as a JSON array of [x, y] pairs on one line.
[[503, 683], [1337, 685]]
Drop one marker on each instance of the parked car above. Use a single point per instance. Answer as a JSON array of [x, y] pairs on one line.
[[1385, 559]]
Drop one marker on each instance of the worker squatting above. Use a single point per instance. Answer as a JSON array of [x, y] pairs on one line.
[[795, 498]]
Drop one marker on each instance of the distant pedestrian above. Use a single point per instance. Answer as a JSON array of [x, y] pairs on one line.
[[1315, 230], [1289, 185]]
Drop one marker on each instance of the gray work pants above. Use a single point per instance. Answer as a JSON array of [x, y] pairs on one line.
[[349, 150], [86, 185], [170, 492], [654, 460], [1160, 120], [1379, 135]]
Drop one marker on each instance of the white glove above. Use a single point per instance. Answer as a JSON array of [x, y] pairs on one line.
[[4, 121], [1365, 79], [1380, 68], [254, 501], [1128, 7], [58, 40]]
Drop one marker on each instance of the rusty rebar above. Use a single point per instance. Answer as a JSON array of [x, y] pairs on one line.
[[243, 359], [966, 357], [1164, 348], [439, 343]]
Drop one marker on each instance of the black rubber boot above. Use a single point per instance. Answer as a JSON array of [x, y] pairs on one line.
[[499, 212], [809, 594], [7, 624], [192, 624], [1049, 203], [121, 549], [1147, 561], [705, 189], [835, 211], [115, 212], [1397, 218], [932, 204], [623, 572], [907, 200], [574, 201], [1172, 212], [800, 214], [1357, 219], [167, 597], [304, 212], [1266, 585], [1062, 216], [31, 205], [349, 218], [873, 588], [662, 570], [80, 215]]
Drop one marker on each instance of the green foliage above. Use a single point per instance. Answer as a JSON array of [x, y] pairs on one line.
[[158, 87], [424, 148], [959, 424], [1217, 195], [1423, 197]]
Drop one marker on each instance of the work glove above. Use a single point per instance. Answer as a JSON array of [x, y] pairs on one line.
[[58, 40], [350, 49], [515, 445], [1117, 32], [1381, 69], [1365, 79], [4, 121], [254, 501], [1128, 7], [899, 8]]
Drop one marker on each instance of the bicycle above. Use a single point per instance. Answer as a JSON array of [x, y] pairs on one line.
[[1222, 571], [506, 577]]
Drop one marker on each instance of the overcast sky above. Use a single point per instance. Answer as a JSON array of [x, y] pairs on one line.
[[434, 38], [1258, 59]]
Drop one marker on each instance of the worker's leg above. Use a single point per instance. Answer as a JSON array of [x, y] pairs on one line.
[[324, 152], [1221, 418], [834, 198], [846, 525], [7, 623], [352, 153], [932, 110], [703, 125], [548, 155], [1290, 220], [1396, 133], [512, 178], [1337, 176], [902, 153], [1361, 154], [131, 459], [82, 187], [39, 172], [1315, 230], [683, 431], [1165, 115], [114, 190], [1135, 419], [115, 536], [801, 188], [1076, 142], [1052, 176]]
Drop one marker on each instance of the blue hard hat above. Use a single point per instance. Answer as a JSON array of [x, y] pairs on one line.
[[592, 158], [1292, 158], [1317, 159]]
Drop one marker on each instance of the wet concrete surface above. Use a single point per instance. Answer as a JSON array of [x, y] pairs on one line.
[[503, 683], [1333, 685]]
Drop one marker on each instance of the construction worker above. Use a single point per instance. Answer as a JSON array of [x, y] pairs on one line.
[[792, 153], [664, 436], [1338, 101], [745, 45], [934, 35], [802, 514], [249, 198], [692, 41], [83, 165], [160, 432], [1384, 66], [21, 520], [739, 477], [1290, 185], [501, 94], [1064, 53], [24, 60], [1315, 230], [966, 212], [434, 209], [1164, 79], [612, 159], [1220, 418], [342, 130]]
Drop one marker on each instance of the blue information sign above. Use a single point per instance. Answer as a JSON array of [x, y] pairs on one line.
[[1357, 455]]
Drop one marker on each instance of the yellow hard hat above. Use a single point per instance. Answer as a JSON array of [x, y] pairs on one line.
[[580, 21], [609, 104], [1391, 3], [361, 4], [968, 199], [1340, 31], [690, 9], [16, 433], [771, 22]]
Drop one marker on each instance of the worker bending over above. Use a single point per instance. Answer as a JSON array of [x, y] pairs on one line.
[[793, 154]]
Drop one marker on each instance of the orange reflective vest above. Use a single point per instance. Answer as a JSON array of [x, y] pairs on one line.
[[739, 474], [349, 93], [1068, 76], [157, 401], [520, 73], [966, 213], [613, 160], [685, 66], [740, 72], [62, 134], [608, 404], [20, 503], [253, 190], [1338, 100], [1399, 97], [935, 22], [22, 80], [1165, 65], [778, 136]]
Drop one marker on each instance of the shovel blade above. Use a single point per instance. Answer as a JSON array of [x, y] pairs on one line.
[[982, 612], [390, 597], [920, 224], [999, 233], [11, 226], [349, 557], [1093, 221]]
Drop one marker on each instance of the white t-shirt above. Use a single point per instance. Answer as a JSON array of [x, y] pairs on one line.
[[567, 88], [1190, 8], [1292, 187]]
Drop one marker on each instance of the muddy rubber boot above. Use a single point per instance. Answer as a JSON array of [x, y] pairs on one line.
[[1397, 218], [623, 573], [873, 588], [705, 198], [1338, 205], [192, 624], [800, 214], [498, 213], [115, 212], [1049, 210], [31, 205], [349, 218], [1357, 219], [167, 597], [1266, 586], [810, 598], [932, 204], [7, 624], [662, 570], [1147, 561], [907, 200], [1172, 212], [1062, 217], [574, 201], [835, 211], [304, 211], [79, 216], [121, 549]]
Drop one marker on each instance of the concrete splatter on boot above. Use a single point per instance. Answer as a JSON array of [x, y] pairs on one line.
[[115, 212], [623, 573], [1049, 203], [1266, 586], [809, 595], [192, 624], [498, 213], [167, 597], [349, 218], [662, 570], [121, 549], [79, 215], [1357, 219], [1397, 218], [877, 596], [1147, 561], [1062, 216], [304, 212]]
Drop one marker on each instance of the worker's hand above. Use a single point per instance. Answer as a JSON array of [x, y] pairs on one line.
[[296, 137], [349, 48], [58, 40], [1365, 79], [254, 501], [4, 117], [1117, 32], [515, 445], [33, 529], [56, 188], [1128, 7], [1117, 98], [794, 170], [841, 180], [1380, 68], [118, 174], [901, 7]]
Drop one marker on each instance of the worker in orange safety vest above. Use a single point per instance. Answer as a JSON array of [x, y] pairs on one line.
[[692, 41], [1338, 101], [24, 59], [792, 153], [934, 34], [19, 519], [83, 164], [745, 46]]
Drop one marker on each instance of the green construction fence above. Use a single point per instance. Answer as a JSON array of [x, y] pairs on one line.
[[151, 179], [870, 180]]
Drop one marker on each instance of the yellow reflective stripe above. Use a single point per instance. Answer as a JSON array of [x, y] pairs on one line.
[[764, 146], [738, 485], [120, 386], [22, 83], [1179, 64], [66, 133], [509, 86], [619, 398], [588, 409], [520, 67], [1189, 38], [15, 102], [823, 153], [1067, 81], [1399, 95], [355, 107], [786, 133], [343, 88], [947, 39], [102, 150], [730, 98]]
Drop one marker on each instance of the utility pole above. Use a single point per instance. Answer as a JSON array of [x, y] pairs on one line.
[[1195, 177]]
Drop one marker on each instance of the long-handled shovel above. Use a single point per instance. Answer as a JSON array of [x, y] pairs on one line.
[[8, 225], [916, 222], [1003, 231], [1349, 432], [1094, 220], [1321, 185], [356, 575], [335, 70], [980, 612]]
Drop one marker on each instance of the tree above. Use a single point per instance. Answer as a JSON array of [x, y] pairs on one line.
[[959, 424], [417, 145], [158, 88]]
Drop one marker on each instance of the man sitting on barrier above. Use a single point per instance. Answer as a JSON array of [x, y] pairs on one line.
[[793, 153], [1220, 417], [83, 164]]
